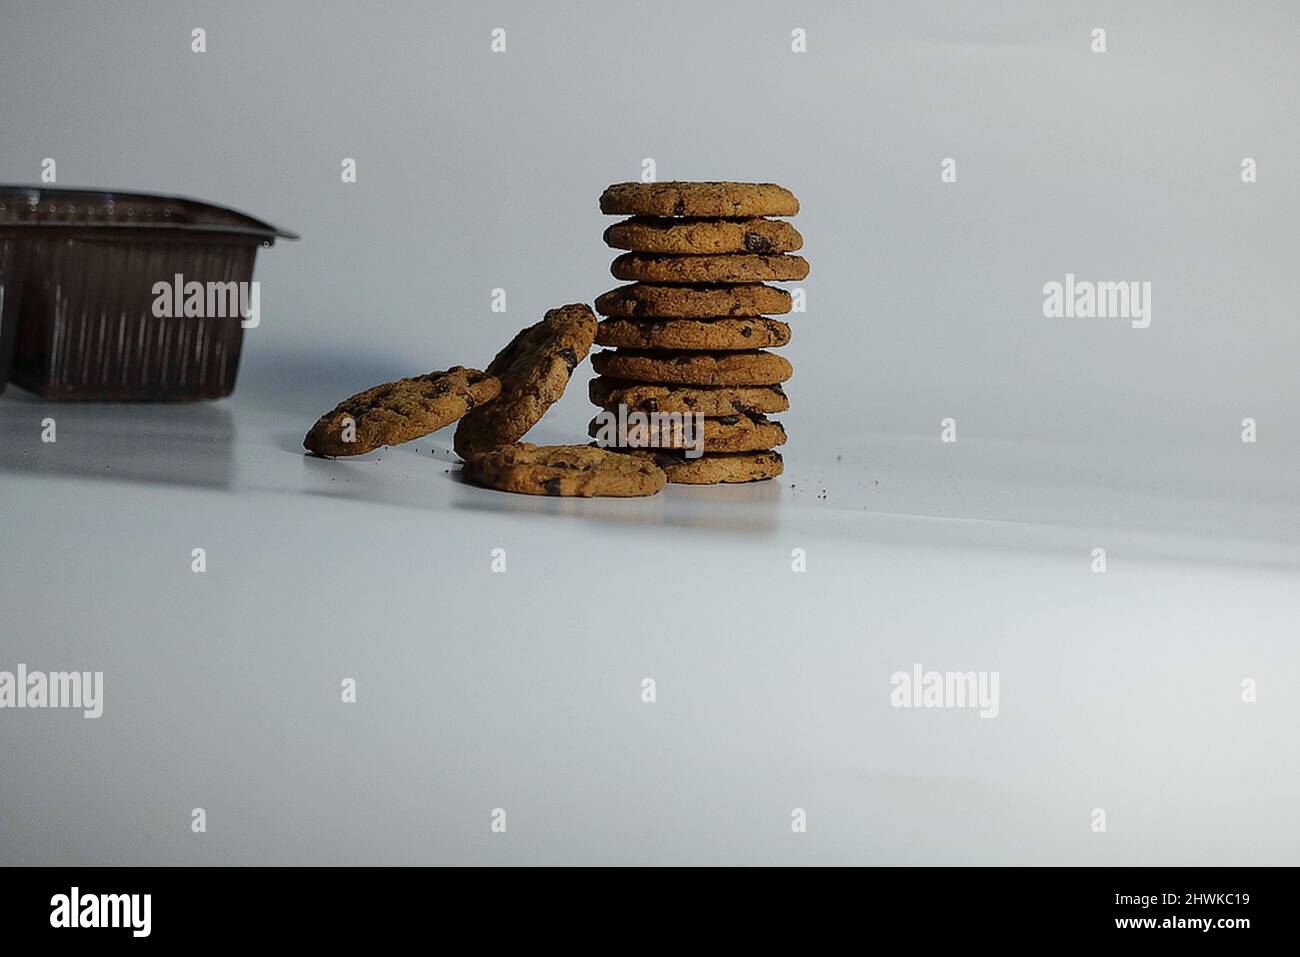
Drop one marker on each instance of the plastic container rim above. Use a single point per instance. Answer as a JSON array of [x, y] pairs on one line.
[[35, 195]]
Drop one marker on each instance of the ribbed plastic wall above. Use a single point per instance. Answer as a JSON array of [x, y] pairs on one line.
[[88, 330]]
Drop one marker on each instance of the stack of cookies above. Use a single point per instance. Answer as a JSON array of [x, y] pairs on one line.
[[691, 331]]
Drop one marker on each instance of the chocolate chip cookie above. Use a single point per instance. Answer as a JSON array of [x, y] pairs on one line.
[[716, 334], [698, 199], [704, 236], [694, 368], [733, 433], [714, 468], [738, 267], [563, 470], [694, 302], [706, 400], [534, 370], [400, 411]]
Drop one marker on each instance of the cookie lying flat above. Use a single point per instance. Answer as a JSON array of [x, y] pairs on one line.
[[698, 199], [733, 433], [694, 368], [715, 334], [694, 302], [400, 411], [738, 267], [704, 236], [563, 470], [715, 468], [706, 400], [534, 370]]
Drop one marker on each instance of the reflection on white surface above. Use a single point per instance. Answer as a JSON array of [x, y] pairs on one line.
[[181, 444], [1228, 500], [521, 690]]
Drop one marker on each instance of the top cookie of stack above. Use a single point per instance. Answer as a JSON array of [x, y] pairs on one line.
[[691, 329]]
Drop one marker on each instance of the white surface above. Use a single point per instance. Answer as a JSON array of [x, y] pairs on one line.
[[522, 691], [479, 171]]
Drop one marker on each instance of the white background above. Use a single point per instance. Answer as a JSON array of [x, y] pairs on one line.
[[522, 690]]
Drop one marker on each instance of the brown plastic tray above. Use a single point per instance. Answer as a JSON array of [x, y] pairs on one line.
[[77, 275], [9, 295]]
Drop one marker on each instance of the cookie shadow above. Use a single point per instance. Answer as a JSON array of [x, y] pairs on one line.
[[743, 509]]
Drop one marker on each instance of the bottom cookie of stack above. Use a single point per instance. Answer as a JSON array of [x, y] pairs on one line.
[[714, 468]]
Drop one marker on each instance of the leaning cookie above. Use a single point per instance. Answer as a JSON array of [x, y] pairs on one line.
[[563, 470], [694, 302], [674, 198], [708, 334], [715, 468], [534, 370], [400, 411]]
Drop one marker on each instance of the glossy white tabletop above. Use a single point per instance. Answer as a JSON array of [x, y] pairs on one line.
[[522, 690]]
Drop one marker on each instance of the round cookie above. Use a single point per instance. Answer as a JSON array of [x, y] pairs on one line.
[[706, 400], [694, 302], [704, 236], [400, 411], [714, 468], [733, 433], [738, 267], [715, 334], [694, 368], [534, 370], [676, 198], [563, 470]]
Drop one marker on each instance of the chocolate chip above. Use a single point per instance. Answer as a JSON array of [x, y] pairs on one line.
[[469, 401], [552, 486], [650, 405], [729, 419], [747, 332], [570, 357], [756, 243], [679, 208], [688, 401]]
